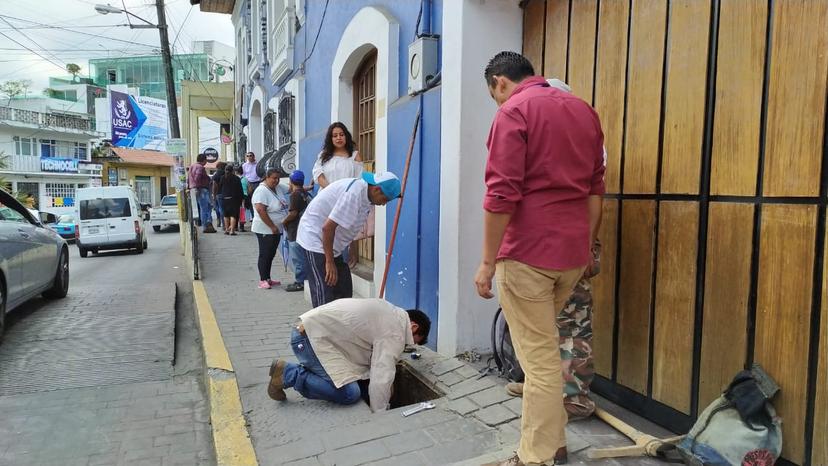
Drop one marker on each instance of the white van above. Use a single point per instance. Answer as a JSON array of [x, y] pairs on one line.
[[109, 217]]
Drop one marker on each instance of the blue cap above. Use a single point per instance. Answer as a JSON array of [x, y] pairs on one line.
[[387, 181], [297, 177]]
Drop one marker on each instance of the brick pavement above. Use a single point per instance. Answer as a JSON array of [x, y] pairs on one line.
[[474, 419]]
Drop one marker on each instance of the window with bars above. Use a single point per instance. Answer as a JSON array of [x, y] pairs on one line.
[[60, 194], [24, 146], [269, 132], [263, 24], [63, 149], [365, 82], [286, 120]]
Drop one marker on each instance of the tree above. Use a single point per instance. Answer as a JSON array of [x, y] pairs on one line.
[[73, 69], [5, 184], [14, 87]]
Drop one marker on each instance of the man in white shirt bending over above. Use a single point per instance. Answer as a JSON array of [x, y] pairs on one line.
[[346, 341], [331, 222]]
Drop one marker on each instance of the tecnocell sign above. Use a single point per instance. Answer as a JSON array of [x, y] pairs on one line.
[[60, 165], [138, 122]]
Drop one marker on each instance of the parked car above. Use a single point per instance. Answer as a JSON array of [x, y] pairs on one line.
[[165, 214], [33, 259], [110, 218], [64, 226]]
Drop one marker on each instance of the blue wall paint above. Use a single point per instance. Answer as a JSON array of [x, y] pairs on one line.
[[413, 276]]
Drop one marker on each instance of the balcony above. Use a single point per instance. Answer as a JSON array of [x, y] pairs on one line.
[[48, 120], [281, 48]]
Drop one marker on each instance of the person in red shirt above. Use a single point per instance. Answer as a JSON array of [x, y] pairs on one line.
[[542, 209]]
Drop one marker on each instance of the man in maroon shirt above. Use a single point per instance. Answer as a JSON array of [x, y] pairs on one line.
[[544, 180]]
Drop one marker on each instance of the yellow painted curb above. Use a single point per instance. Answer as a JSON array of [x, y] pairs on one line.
[[230, 437]]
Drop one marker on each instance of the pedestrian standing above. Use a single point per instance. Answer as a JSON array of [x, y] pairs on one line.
[[544, 182], [250, 172], [216, 191], [231, 198], [199, 184], [338, 159], [244, 213], [298, 203], [270, 206], [331, 222]]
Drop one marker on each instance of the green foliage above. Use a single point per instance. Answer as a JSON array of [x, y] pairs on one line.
[[14, 87], [5, 184]]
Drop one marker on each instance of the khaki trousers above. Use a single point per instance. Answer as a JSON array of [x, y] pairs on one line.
[[530, 298]]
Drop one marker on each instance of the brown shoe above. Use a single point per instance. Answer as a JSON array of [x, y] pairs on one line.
[[515, 389], [560, 458], [275, 389], [209, 228]]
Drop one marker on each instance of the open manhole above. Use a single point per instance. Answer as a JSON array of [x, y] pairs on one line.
[[409, 388]]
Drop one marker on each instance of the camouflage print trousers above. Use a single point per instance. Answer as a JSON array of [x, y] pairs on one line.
[[575, 327]]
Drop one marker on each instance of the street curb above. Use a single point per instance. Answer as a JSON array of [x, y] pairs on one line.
[[231, 440]]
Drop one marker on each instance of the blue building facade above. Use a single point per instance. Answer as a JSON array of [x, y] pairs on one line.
[[303, 64]]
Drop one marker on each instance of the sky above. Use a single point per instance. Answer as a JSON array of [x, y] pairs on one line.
[[71, 31]]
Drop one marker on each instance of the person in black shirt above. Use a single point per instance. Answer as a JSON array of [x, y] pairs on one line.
[[232, 197], [215, 190], [298, 202]]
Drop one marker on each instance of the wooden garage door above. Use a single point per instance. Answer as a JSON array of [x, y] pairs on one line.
[[714, 115]]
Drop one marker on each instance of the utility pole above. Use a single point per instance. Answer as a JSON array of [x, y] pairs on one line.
[[166, 59]]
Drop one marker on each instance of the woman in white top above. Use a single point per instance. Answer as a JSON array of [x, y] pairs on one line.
[[270, 207], [338, 159]]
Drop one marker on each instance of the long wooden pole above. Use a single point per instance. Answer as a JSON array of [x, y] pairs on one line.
[[389, 254]]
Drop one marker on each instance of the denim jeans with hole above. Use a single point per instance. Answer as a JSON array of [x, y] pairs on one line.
[[309, 377]]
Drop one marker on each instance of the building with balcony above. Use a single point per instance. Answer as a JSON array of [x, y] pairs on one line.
[[48, 152]]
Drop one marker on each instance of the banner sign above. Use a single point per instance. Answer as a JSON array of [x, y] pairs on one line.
[[177, 148], [59, 165], [212, 155], [138, 122]]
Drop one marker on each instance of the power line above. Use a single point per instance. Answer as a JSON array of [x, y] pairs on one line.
[[62, 67], [79, 32], [27, 37], [91, 26]]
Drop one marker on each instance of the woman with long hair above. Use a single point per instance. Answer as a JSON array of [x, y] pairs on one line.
[[339, 158]]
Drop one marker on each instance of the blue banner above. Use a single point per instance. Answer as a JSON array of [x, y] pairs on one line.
[[59, 165], [138, 122]]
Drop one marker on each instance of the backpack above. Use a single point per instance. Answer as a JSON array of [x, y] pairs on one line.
[[503, 352], [740, 428]]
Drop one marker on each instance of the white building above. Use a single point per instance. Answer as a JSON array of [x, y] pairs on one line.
[[47, 150]]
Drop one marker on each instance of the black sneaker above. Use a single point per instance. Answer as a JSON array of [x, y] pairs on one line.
[[295, 287]]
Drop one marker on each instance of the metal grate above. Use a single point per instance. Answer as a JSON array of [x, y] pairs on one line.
[[365, 116]]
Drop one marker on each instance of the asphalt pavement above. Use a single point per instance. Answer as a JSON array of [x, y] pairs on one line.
[[112, 373]]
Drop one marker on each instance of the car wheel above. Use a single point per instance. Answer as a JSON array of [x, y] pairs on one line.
[[156, 228], [83, 251], [146, 244], [140, 248], [60, 286]]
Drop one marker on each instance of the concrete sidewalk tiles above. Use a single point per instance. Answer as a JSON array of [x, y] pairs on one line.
[[475, 419]]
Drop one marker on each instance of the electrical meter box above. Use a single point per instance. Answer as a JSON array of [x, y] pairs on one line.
[[422, 63]]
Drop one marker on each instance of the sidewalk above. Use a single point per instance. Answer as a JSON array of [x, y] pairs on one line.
[[475, 422]]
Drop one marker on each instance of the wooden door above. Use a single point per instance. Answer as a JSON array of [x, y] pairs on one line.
[[365, 117], [714, 233]]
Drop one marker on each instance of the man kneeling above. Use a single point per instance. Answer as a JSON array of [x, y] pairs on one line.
[[344, 341]]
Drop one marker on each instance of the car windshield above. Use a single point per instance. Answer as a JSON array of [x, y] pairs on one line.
[[66, 218], [169, 201], [91, 209]]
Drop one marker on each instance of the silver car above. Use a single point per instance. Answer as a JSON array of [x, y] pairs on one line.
[[33, 258]]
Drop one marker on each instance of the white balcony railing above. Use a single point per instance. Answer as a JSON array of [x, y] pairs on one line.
[[49, 120], [281, 47]]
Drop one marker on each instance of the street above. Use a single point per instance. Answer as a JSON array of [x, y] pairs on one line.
[[112, 373]]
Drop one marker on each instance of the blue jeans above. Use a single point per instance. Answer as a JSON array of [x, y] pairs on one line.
[[310, 379], [219, 210], [204, 209], [297, 257]]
